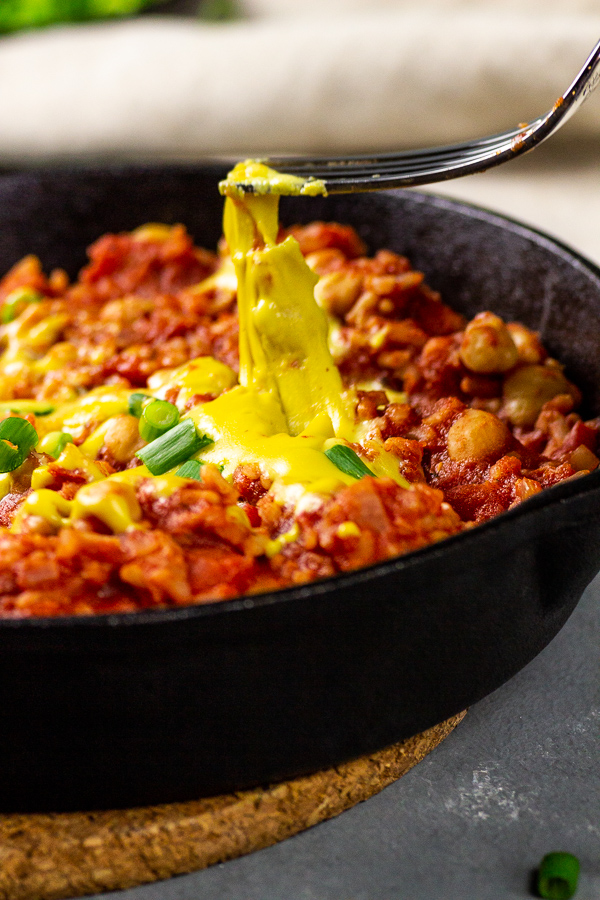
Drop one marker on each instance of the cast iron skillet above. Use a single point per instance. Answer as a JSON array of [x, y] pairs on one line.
[[170, 705]]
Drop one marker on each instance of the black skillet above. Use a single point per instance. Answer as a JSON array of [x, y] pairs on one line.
[[162, 706]]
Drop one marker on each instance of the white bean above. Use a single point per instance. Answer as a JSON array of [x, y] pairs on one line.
[[122, 438], [528, 388], [487, 346], [477, 434]]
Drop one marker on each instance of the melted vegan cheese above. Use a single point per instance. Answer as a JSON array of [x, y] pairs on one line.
[[288, 408], [203, 375], [78, 416], [284, 354], [248, 426], [253, 177]]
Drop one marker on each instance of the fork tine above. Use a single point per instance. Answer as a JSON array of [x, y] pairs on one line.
[[414, 172], [421, 167], [408, 167], [408, 160], [429, 165], [302, 165]]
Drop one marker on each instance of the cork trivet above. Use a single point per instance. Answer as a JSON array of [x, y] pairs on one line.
[[60, 855]]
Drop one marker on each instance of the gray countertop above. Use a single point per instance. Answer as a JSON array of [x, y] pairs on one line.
[[518, 778]]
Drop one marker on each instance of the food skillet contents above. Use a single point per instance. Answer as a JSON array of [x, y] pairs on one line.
[[182, 427]]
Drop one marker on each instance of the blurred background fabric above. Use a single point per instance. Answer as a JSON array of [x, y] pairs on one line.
[[322, 76]]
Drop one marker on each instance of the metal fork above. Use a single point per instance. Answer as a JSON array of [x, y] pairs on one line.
[[391, 170]]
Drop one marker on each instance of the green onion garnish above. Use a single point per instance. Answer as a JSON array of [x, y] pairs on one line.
[[55, 442], [16, 300], [557, 876], [37, 407], [347, 461], [173, 447], [190, 469], [17, 438], [157, 417], [136, 403]]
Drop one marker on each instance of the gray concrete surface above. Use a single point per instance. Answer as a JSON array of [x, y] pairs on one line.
[[518, 778]]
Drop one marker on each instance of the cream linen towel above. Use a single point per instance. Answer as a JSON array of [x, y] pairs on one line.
[[371, 74], [296, 9], [398, 75]]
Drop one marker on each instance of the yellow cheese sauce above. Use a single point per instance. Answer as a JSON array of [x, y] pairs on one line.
[[253, 177], [288, 406], [77, 417], [203, 375]]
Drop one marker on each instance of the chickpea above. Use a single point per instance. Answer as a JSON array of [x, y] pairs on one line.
[[338, 291], [527, 389], [477, 435], [487, 345], [122, 438]]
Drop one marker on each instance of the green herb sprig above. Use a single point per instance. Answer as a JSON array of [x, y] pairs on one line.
[[190, 469], [18, 299], [136, 402], [17, 438], [173, 448], [558, 875], [156, 418], [55, 442], [347, 461]]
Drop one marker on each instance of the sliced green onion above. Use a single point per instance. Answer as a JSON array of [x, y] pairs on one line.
[[347, 461], [136, 404], [55, 442], [557, 876], [190, 469], [37, 407], [16, 300], [17, 438], [156, 418], [173, 447]]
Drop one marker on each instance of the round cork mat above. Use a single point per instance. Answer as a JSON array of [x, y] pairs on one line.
[[60, 855]]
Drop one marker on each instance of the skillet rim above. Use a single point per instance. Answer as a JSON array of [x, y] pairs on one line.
[[532, 508]]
